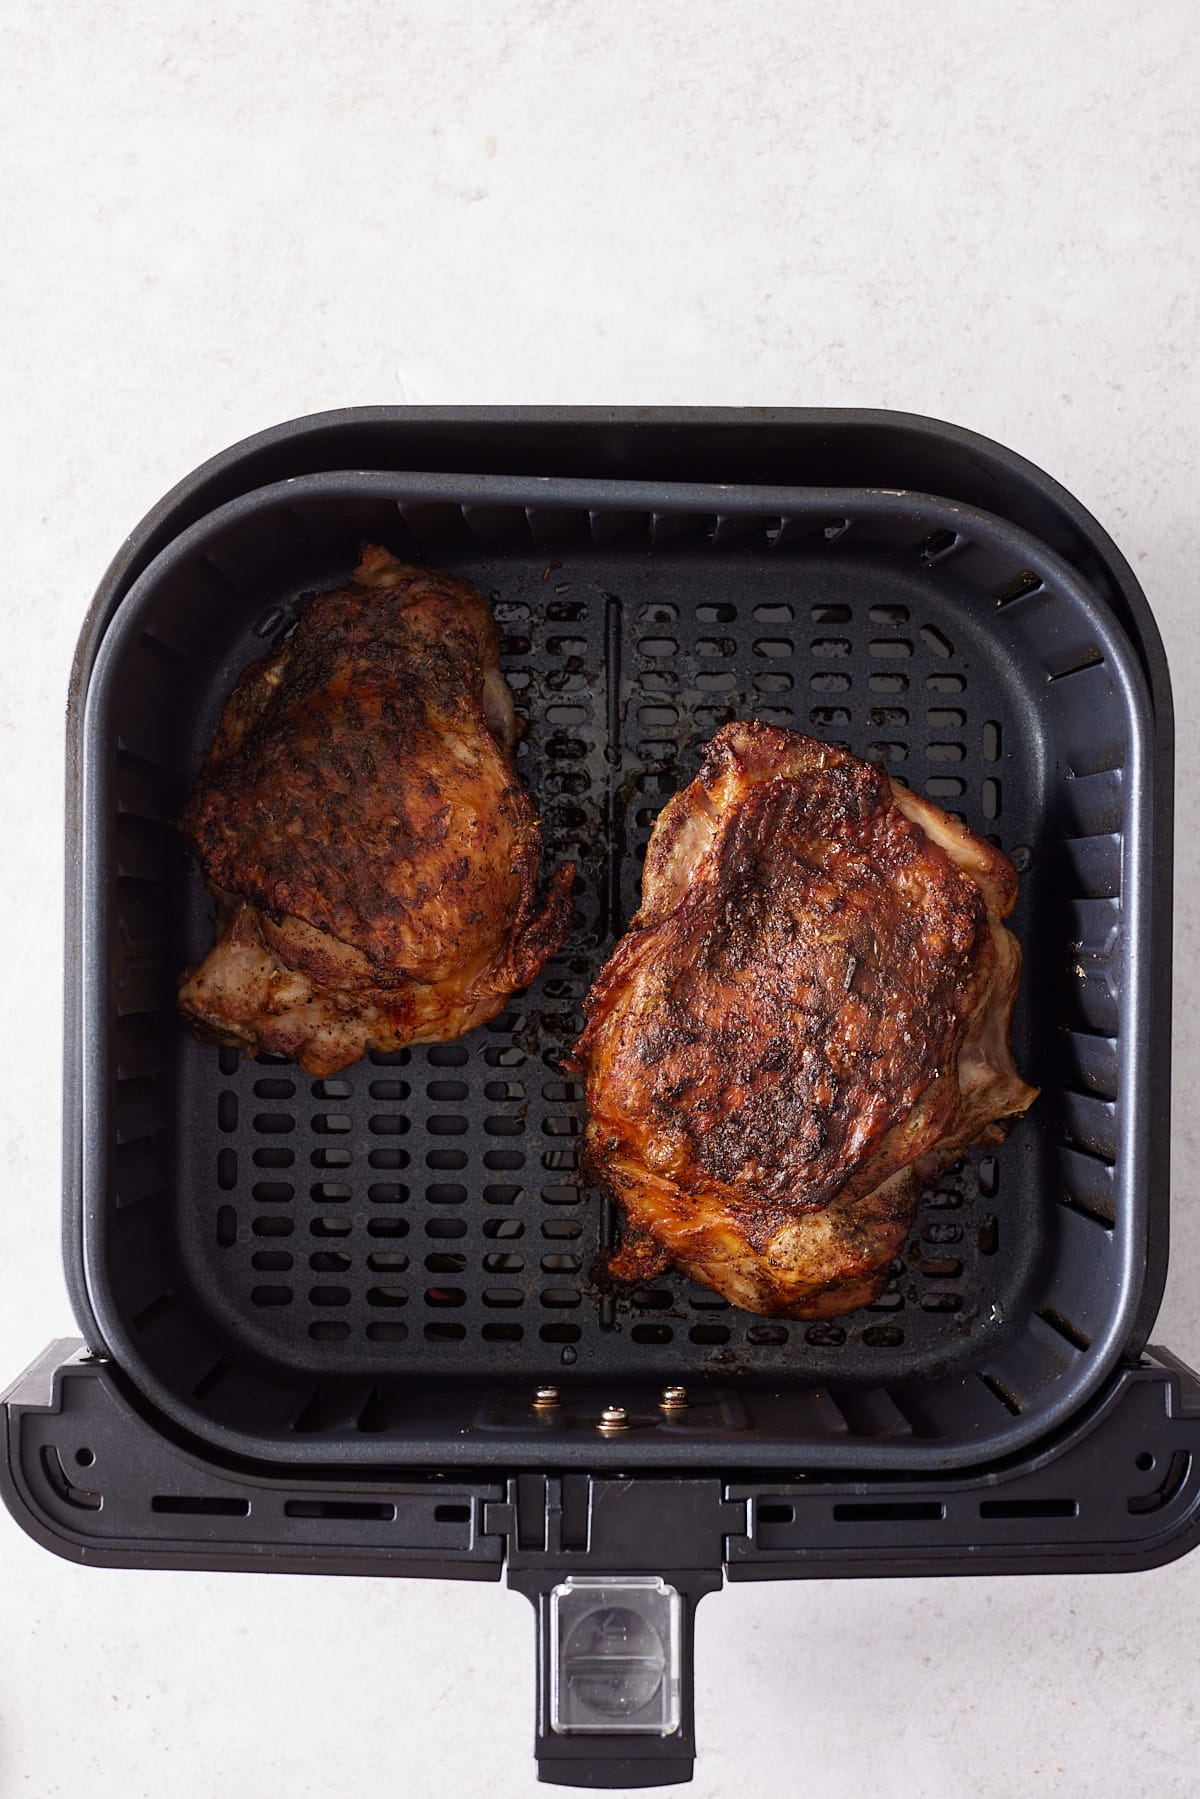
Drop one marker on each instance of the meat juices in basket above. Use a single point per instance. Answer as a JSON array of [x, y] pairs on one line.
[[807, 1020]]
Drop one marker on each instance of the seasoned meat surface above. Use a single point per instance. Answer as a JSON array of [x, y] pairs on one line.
[[808, 1018], [373, 856]]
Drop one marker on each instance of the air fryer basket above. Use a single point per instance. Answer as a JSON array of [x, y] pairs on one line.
[[378, 1269]]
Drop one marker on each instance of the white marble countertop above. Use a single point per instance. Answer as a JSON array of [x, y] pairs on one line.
[[215, 218]]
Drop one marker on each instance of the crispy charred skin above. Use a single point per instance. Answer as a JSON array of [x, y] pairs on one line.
[[372, 853], [808, 1017]]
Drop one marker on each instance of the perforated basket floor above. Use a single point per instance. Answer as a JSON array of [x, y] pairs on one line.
[[382, 1266]]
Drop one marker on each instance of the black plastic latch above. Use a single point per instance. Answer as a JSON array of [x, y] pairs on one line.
[[615, 1569]]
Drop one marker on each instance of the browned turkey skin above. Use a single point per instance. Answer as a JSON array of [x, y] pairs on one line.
[[807, 1020], [372, 854]]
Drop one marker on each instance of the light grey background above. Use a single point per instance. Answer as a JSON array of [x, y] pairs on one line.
[[216, 217]]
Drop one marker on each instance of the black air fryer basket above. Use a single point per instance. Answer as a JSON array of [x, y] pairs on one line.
[[358, 1324]]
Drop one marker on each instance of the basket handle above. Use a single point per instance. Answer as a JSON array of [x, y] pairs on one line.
[[614, 1675]]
